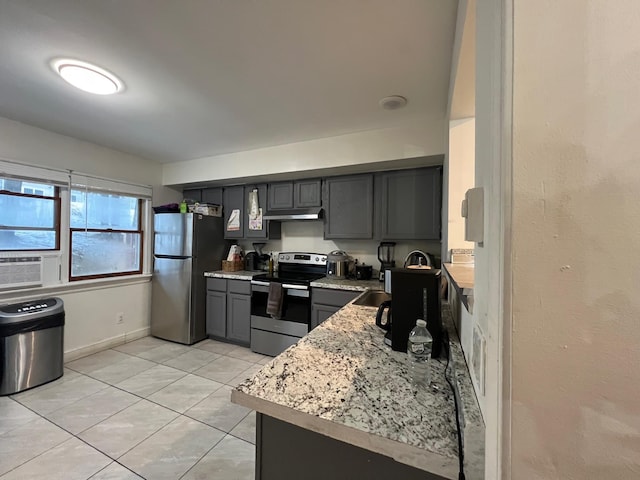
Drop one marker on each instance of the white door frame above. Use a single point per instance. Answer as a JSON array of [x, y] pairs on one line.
[[494, 109]]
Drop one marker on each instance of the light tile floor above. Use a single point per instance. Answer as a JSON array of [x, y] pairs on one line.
[[146, 409]]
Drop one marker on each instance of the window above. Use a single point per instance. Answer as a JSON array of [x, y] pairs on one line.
[[29, 215], [106, 234]]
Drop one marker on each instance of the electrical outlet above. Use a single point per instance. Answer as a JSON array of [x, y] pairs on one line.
[[479, 358], [119, 318]]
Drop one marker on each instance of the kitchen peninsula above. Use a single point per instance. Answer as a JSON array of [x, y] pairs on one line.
[[339, 404]]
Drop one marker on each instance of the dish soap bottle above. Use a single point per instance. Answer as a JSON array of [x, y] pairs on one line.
[[418, 353]]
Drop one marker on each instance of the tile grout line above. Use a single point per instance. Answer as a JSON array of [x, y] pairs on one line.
[[140, 398]]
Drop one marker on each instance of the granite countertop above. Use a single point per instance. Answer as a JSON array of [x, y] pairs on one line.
[[343, 382], [237, 275], [348, 284]]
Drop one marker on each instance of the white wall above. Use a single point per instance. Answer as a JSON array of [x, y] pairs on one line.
[[461, 177], [306, 236], [90, 312], [576, 224], [426, 137]]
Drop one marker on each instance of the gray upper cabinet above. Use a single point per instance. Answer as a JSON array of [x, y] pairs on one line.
[[298, 194], [194, 194], [348, 204], [410, 204], [204, 195], [307, 193], [233, 203], [212, 195], [280, 195], [270, 229]]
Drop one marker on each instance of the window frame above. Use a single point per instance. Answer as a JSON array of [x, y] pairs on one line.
[[139, 231], [57, 206]]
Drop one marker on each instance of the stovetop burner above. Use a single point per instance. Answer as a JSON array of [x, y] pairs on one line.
[[297, 268]]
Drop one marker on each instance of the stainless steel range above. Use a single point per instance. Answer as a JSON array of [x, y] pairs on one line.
[[272, 334]]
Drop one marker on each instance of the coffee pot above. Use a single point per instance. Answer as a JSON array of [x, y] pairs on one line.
[[386, 305]]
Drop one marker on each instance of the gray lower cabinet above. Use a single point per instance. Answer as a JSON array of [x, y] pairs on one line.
[[314, 456], [410, 204], [348, 204], [217, 314], [239, 317], [229, 310], [325, 302]]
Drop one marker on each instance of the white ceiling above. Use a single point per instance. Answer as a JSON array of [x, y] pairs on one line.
[[206, 77]]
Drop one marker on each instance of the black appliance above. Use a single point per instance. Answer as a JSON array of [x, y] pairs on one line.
[[364, 272], [413, 292], [385, 255], [261, 260], [296, 271], [251, 261]]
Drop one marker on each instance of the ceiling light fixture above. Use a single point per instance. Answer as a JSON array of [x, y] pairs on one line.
[[394, 102], [87, 77]]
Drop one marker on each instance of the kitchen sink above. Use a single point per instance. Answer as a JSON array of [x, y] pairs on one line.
[[372, 298]]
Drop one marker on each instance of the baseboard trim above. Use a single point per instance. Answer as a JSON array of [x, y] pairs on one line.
[[80, 352]]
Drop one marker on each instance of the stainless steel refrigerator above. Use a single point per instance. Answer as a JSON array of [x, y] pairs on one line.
[[185, 246]]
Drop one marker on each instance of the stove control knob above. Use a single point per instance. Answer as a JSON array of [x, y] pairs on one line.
[[317, 259], [324, 259], [287, 257]]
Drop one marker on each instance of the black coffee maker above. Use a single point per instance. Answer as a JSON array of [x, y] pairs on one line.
[[414, 293]]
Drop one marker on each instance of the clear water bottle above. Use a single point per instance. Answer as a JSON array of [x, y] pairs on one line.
[[419, 351]]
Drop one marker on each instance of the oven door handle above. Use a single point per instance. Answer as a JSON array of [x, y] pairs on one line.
[[284, 285], [294, 287]]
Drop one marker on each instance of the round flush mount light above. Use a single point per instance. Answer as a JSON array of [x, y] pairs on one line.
[[394, 102], [87, 77]]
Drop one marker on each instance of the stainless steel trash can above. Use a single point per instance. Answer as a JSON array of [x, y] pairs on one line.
[[31, 344]]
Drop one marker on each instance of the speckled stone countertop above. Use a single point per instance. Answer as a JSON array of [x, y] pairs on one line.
[[238, 275], [347, 284], [343, 382]]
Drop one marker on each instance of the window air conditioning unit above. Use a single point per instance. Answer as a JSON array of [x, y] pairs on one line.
[[23, 271]]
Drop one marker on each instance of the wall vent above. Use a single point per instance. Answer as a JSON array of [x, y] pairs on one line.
[[20, 271]]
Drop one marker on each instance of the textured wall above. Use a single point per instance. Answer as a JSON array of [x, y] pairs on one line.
[[576, 237]]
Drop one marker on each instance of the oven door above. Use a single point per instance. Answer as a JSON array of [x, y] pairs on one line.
[[271, 336], [296, 302]]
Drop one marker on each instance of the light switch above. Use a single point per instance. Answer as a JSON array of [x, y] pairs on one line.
[[472, 210]]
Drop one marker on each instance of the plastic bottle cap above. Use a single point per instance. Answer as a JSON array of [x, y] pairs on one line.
[[421, 323]]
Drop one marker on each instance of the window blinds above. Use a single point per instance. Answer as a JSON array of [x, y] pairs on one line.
[[59, 178], [87, 182]]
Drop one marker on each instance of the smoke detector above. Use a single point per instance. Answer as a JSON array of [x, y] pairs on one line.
[[394, 102]]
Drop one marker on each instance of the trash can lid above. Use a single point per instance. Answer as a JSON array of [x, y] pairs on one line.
[[20, 312]]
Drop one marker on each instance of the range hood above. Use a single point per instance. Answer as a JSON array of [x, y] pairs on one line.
[[314, 213]]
